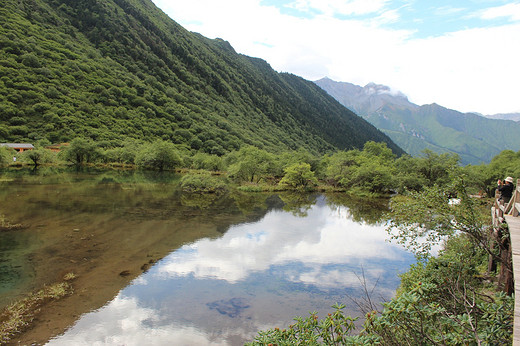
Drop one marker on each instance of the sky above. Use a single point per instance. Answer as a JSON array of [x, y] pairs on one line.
[[463, 55]]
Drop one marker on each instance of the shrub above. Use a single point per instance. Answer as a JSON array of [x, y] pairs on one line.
[[158, 155], [207, 162], [6, 156], [298, 175], [202, 183], [80, 151], [38, 156], [332, 330]]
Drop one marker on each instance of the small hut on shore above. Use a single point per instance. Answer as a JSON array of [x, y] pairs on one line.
[[19, 147]]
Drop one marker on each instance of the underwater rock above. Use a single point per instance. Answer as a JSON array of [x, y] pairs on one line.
[[232, 307]]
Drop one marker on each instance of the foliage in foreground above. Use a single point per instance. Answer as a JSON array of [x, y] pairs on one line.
[[436, 305], [334, 329], [414, 318]]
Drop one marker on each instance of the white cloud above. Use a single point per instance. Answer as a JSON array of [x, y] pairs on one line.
[[449, 10], [159, 311], [339, 7], [124, 322], [511, 11], [322, 239], [468, 70]]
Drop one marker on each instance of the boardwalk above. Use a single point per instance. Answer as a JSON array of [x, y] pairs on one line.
[[514, 230], [510, 214]]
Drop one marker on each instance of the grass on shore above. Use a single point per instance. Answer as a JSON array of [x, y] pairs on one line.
[[17, 316]]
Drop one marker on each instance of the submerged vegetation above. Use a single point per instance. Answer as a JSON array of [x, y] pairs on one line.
[[18, 315]]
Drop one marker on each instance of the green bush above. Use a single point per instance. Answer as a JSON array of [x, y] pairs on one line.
[[413, 318], [80, 151], [334, 329], [39, 156], [6, 156], [202, 183], [160, 155], [250, 164], [299, 176], [207, 161]]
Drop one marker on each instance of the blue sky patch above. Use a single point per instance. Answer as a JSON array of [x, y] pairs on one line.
[[423, 18]]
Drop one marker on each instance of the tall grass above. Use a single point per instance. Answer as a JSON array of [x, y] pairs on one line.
[[18, 315]]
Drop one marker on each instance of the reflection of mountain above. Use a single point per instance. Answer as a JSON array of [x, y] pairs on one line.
[[474, 138]]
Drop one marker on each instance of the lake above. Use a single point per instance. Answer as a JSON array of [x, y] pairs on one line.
[[157, 266]]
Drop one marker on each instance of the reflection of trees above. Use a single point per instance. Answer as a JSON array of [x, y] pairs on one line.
[[369, 210], [298, 203], [198, 200], [249, 202]]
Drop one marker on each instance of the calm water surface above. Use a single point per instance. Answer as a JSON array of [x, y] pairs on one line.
[[270, 258]]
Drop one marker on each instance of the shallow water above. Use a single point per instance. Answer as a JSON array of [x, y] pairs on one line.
[[201, 270]]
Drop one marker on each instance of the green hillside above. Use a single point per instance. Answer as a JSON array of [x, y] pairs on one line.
[[117, 69], [414, 128], [474, 138]]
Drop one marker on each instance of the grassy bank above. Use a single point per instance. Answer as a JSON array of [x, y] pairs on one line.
[[17, 317]]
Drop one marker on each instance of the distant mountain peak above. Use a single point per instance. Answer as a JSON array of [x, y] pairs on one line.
[[431, 126], [379, 89]]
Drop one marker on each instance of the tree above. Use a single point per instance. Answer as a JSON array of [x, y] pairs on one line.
[[158, 155], [80, 151], [369, 170], [408, 177], [6, 156], [250, 164], [207, 161], [422, 220], [298, 175], [436, 168], [38, 155]]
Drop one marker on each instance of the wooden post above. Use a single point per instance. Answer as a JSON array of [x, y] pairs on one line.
[[493, 237], [500, 236]]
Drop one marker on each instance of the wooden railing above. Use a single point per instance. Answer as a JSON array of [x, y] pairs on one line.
[[512, 208], [508, 239], [501, 237]]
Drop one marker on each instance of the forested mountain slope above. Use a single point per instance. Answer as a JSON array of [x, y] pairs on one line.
[[117, 69], [474, 138]]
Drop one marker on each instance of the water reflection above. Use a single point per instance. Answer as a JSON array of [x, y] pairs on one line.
[[221, 291]]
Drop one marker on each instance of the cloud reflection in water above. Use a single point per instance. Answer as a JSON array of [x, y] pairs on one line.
[[257, 275], [322, 238]]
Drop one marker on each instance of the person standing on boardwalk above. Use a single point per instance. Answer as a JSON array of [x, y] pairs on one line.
[[506, 190]]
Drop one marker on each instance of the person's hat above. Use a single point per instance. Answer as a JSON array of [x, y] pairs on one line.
[[509, 179]]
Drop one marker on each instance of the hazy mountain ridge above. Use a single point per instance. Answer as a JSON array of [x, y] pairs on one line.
[[474, 138], [117, 69], [504, 116]]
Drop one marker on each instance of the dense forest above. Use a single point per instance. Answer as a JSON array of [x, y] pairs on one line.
[[121, 69]]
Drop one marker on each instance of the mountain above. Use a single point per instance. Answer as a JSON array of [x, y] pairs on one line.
[[505, 116], [476, 139], [118, 69]]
